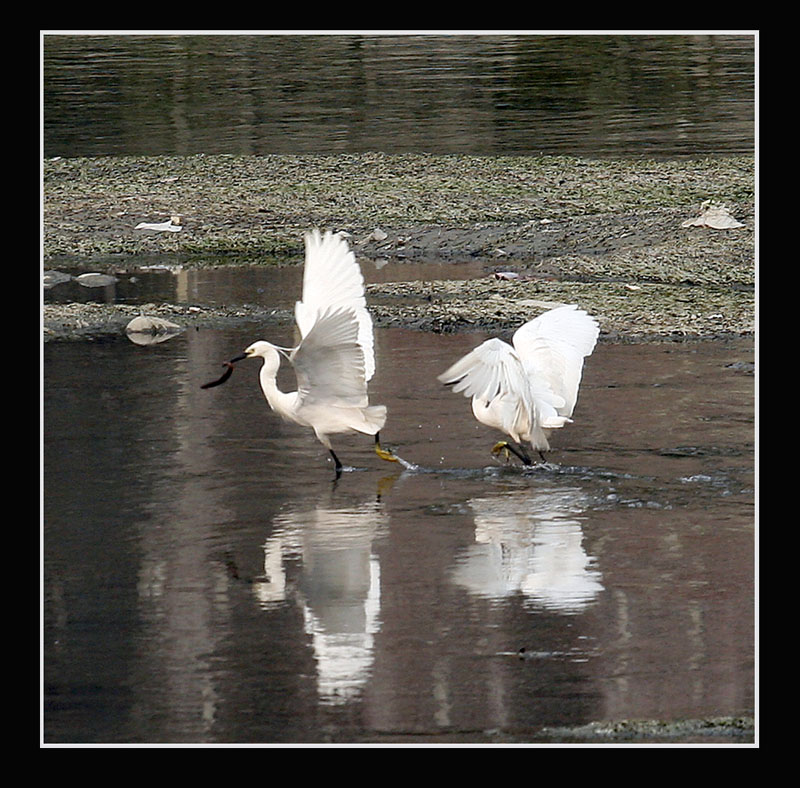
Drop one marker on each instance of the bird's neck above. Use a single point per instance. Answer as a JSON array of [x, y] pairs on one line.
[[279, 401]]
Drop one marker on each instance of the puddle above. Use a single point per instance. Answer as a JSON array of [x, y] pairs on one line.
[[275, 286], [205, 580]]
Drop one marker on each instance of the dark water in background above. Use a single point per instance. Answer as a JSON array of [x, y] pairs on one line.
[[612, 95], [206, 581]]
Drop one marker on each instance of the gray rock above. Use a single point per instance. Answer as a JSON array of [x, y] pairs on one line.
[[146, 330], [53, 278], [96, 280]]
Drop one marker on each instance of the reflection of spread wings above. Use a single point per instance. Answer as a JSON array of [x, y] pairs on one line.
[[332, 281], [329, 362]]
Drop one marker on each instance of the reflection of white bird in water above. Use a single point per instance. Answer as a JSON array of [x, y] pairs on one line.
[[531, 388], [335, 358]]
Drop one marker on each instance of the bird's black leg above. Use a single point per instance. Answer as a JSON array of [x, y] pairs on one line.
[[519, 451], [337, 463]]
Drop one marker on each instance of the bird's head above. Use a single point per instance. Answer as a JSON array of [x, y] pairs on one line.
[[261, 349]]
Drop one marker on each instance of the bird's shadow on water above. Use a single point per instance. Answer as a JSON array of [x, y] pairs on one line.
[[545, 472], [606, 488], [540, 470]]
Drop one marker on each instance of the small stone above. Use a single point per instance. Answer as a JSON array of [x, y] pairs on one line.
[[96, 280]]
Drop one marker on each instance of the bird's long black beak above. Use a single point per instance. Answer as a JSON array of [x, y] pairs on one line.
[[240, 357]]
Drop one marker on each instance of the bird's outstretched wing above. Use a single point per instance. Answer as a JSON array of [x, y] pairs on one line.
[[332, 281], [491, 369], [329, 362], [552, 348]]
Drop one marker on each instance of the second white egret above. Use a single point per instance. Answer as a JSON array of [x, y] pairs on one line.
[[528, 389]]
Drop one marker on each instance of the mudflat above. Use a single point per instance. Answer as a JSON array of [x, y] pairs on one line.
[[622, 238]]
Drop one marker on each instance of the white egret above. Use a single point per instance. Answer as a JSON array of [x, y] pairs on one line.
[[335, 358], [530, 389]]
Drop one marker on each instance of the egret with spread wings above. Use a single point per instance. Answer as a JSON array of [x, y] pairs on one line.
[[528, 389], [335, 358]]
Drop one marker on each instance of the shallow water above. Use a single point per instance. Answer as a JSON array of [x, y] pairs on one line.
[[205, 580], [273, 286]]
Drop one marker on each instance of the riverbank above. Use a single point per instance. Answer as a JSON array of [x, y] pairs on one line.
[[608, 235]]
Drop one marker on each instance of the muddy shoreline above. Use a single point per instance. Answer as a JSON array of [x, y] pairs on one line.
[[607, 235]]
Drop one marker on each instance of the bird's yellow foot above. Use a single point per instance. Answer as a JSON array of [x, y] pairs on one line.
[[501, 446], [385, 454]]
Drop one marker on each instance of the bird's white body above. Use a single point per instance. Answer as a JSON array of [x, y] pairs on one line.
[[528, 388], [335, 357], [327, 414]]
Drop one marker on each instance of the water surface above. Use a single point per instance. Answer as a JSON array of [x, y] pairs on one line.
[[580, 95], [206, 580]]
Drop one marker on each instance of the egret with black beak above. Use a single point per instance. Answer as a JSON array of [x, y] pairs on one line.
[[335, 358]]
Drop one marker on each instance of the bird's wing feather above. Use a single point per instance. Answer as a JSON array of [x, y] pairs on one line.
[[552, 348], [332, 280], [490, 369], [564, 324], [329, 362]]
